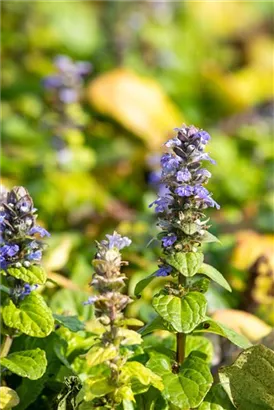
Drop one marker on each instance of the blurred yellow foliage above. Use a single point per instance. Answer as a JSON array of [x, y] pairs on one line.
[[223, 18], [8, 398], [139, 104], [244, 323], [250, 246]]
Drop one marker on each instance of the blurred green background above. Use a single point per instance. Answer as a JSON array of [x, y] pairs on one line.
[[155, 66]]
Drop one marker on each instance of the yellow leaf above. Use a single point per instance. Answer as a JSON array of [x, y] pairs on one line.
[[244, 323], [8, 398], [250, 246], [138, 103]]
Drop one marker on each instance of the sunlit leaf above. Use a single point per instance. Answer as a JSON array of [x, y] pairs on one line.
[[145, 104], [249, 381], [29, 363], [187, 263], [8, 398], [34, 274], [185, 313]]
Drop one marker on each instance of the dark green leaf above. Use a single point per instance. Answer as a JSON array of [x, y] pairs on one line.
[[249, 381], [70, 322], [143, 284]]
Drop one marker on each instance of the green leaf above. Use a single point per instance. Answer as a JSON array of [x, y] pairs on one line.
[[151, 400], [70, 322], [208, 237], [143, 284], [211, 326], [8, 398], [100, 354], [187, 263], [97, 386], [187, 388], [135, 370], [67, 300], [29, 363], [129, 337], [156, 324], [33, 317], [123, 393], [249, 381], [34, 274], [216, 399], [215, 275], [185, 313], [200, 344], [131, 322]]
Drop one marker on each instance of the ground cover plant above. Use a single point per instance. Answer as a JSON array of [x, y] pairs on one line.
[[103, 363]]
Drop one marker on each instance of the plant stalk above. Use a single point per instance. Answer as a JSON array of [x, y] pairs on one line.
[[6, 345], [181, 337]]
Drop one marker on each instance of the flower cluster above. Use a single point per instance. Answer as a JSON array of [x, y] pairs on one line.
[[181, 209], [68, 81], [19, 243], [108, 280]]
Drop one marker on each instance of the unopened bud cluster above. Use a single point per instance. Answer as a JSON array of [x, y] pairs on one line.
[[108, 280]]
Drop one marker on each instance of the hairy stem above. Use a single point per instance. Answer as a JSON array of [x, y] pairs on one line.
[[181, 337], [6, 345]]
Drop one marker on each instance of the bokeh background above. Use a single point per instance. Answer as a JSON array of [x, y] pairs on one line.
[[155, 65]]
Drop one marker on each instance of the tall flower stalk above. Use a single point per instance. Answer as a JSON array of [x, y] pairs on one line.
[[181, 210], [108, 358], [181, 305]]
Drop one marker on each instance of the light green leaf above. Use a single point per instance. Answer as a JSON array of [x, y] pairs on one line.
[[200, 344], [131, 322], [249, 381], [135, 370], [216, 399], [29, 363], [187, 263], [215, 275], [211, 326], [185, 313], [34, 274], [123, 393], [208, 237], [143, 284], [8, 398], [70, 322], [33, 317], [129, 337], [128, 405], [100, 354], [97, 386], [187, 388]]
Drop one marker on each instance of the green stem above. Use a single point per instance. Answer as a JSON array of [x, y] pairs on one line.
[[181, 337], [5, 289], [6, 345]]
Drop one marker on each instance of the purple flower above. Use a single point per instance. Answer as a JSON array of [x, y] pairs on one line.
[[90, 300], [204, 157], [209, 202], [203, 172], [200, 191], [185, 190], [38, 229], [162, 204], [169, 163], [35, 256], [169, 240], [68, 95], [9, 250], [183, 175], [83, 67], [52, 81], [203, 136], [173, 142], [163, 271], [117, 241], [154, 177], [27, 289]]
